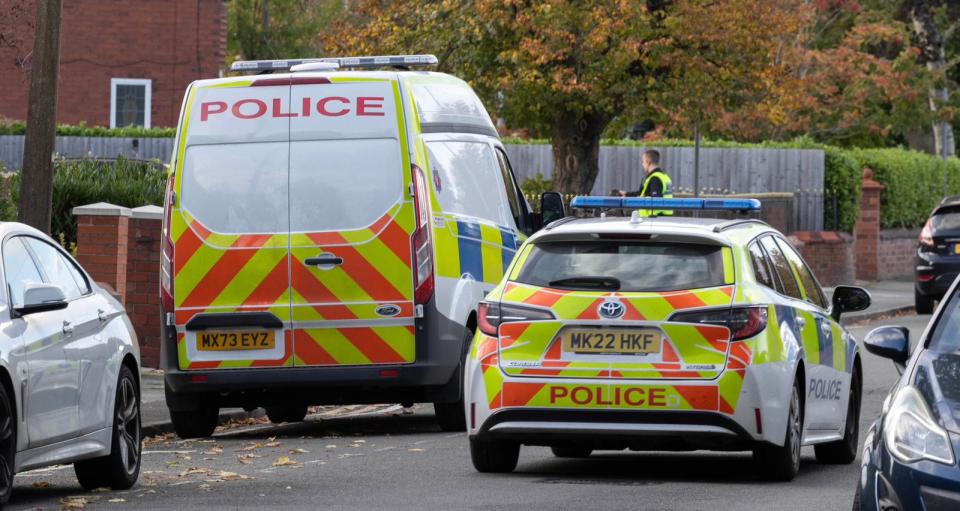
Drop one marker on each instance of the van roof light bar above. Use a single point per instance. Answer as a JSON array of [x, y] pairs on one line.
[[402, 61], [587, 202]]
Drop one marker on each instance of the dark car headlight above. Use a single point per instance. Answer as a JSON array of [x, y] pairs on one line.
[[911, 432]]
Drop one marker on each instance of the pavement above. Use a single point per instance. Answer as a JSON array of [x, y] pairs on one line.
[[890, 298]]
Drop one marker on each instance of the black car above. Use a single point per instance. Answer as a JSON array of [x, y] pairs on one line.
[[910, 453], [938, 254]]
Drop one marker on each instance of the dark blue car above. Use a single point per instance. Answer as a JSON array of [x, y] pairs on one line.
[[910, 452]]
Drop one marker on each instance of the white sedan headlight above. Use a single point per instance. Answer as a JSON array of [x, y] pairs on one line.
[[911, 432]]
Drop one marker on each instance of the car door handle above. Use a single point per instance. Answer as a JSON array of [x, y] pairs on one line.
[[802, 322], [67, 328], [101, 315], [323, 260]]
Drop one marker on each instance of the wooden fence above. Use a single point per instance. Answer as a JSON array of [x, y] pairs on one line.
[[722, 171]]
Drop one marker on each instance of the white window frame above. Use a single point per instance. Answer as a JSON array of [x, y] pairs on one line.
[[147, 99]]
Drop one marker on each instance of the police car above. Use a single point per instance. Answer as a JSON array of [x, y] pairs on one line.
[[663, 333]]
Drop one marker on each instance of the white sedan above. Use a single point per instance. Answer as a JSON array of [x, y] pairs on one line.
[[69, 368]]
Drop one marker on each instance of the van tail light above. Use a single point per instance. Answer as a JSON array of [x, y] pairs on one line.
[[926, 234], [423, 283], [166, 254], [743, 322], [491, 315]]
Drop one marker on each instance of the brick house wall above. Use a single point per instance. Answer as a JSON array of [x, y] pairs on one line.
[[171, 42], [898, 247], [829, 254]]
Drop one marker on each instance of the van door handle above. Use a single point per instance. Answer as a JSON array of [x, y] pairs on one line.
[[323, 260], [802, 322], [67, 328]]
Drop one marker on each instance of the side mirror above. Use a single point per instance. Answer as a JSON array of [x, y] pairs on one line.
[[891, 342], [41, 298], [849, 299], [551, 207]]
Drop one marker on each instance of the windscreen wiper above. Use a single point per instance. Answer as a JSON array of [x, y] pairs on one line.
[[605, 283]]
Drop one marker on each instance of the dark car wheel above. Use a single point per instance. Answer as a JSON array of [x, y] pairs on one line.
[[844, 451], [453, 416], [923, 303], [781, 463], [280, 414], [120, 469], [494, 456], [8, 446], [199, 423]]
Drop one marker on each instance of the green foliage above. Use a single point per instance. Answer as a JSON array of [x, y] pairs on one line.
[[842, 178], [536, 185], [80, 182], [278, 29], [82, 130]]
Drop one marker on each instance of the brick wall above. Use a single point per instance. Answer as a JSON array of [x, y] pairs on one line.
[[102, 243], [867, 230], [898, 247], [171, 42], [829, 254]]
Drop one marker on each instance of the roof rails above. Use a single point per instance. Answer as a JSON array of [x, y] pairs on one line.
[[739, 222], [398, 61]]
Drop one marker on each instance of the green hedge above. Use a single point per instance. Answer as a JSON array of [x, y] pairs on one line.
[[82, 130], [79, 182]]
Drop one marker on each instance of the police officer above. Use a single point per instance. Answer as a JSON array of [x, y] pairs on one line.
[[656, 183]]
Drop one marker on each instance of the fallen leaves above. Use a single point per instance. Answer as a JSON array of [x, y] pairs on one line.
[[42, 484], [298, 451], [284, 461]]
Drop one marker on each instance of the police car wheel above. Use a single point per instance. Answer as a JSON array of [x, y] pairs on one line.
[[494, 456], [844, 451], [781, 463], [571, 451], [281, 414], [198, 423]]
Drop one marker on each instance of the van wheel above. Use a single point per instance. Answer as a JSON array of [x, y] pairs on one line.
[[453, 416], [199, 423], [571, 451], [280, 414], [781, 463], [844, 451], [120, 469], [922, 303], [8, 446], [494, 456]]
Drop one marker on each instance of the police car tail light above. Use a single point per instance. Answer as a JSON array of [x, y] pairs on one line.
[[912, 433], [166, 255], [492, 315], [420, 241], [926, 235], [743, 322]]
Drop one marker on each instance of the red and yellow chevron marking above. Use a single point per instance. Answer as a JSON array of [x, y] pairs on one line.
[[730, 383], [354, 346]]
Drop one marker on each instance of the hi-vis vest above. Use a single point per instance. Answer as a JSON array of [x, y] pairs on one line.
[[667, 193]]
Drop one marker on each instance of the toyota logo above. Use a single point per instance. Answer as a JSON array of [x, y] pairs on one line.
[[611, 310]]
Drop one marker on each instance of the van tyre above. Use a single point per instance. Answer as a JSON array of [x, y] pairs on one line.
[[844, 451], [494, 456], [922, 303], [453, 416], [280, 414], [781, 463], [120, 469], [571, 451], [198, 423], [8, 446]]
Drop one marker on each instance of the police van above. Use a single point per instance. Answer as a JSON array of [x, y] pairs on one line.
[[329, 228]]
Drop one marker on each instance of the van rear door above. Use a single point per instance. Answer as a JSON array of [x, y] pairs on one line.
[[351, 218], [230, 226]]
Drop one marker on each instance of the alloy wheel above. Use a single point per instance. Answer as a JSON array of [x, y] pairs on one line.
[[128, 425]]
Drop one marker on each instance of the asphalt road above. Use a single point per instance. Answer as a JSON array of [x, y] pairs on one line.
[[386, 459]]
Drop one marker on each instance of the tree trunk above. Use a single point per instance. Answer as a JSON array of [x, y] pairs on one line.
[[36, 184], [933, 55], [576, 151]]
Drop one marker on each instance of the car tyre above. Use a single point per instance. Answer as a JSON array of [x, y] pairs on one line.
[[781, 463], [198, 423], [844, 451], [571, 451], [120, 469], [280, 414], [922, 303], [453, 416], [494, 456], [8, 446]]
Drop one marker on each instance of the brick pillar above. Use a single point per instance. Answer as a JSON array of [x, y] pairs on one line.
[[867, 230], [102, 243], [143, 280]]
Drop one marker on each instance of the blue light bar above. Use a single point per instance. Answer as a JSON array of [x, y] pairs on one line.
[[343, 62], [658, 203]]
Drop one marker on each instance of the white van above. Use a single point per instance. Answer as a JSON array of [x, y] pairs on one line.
[[328, 234]]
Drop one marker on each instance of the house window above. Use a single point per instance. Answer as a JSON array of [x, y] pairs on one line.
[[130, 102]]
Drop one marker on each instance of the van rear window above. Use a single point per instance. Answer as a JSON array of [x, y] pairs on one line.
[[622, 266]]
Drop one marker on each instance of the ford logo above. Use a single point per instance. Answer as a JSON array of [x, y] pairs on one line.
[[611, 310], [388, 310]]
